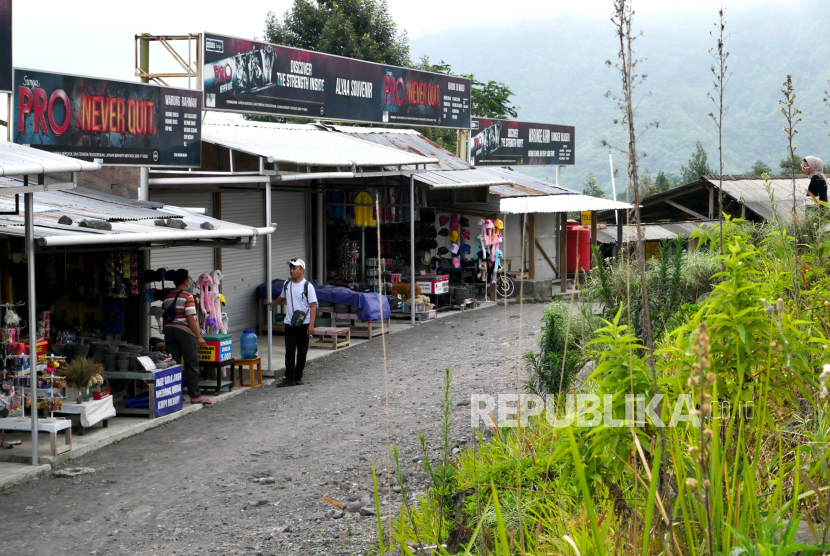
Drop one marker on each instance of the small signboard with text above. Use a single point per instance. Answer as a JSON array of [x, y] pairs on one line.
[[168, 391]]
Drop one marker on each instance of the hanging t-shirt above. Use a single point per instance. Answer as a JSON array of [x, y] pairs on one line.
[[294, 294]]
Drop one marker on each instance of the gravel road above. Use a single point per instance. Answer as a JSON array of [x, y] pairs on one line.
[[247, 476]]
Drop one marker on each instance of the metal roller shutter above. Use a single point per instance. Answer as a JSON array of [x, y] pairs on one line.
[[195, 259], [288, 210], [243, 270]]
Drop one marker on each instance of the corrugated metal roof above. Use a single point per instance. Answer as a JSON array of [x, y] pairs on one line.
[[305, 145], [652, 232], [126, 216], [454, 179], [19, 160], [524, 185], [407, 140], [558, 203], [748, 190]]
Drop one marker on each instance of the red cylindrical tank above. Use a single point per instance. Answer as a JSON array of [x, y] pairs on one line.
[[579, 241]]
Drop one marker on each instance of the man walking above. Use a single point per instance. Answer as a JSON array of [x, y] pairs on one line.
[[300, 299]]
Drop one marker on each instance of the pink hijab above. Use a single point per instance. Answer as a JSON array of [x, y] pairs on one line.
[[816, 167]]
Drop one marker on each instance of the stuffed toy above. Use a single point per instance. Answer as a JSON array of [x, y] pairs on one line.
[[404, 290]]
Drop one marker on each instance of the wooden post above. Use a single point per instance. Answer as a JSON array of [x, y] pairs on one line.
[[531, 246], [711, 203], [563, 252], [620, 222], [593, 233]]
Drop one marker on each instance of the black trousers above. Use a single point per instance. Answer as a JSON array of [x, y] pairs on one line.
[[296, 344], [180, 345]]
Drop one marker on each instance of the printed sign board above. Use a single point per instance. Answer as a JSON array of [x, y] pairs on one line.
[[168, 391], [255, 77], [6, 46], [512, 143], [585, 217], [216, 350], [123, 123]]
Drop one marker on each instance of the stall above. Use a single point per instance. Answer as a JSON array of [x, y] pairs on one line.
[[90, 297]]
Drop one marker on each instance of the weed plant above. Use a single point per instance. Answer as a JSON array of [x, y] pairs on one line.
[[743, 478]]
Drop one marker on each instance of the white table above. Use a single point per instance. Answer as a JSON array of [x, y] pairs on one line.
[[91, 412], [52, 426]]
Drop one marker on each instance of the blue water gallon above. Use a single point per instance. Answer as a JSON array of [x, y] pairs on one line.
[[247, 344]]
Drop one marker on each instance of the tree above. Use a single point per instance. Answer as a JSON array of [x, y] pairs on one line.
[[361, 29], [719, 70], [664, 182], [760, 167], [646, 183], [698, 165], [591, 187], [790, 164], [488, 100]]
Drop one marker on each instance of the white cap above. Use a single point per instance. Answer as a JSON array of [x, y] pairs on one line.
[[297, 262]]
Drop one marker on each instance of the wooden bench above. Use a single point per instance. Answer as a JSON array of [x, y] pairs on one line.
[[333, 332], [52, 426]]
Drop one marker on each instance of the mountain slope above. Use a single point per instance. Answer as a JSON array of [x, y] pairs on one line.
[[557, 69]]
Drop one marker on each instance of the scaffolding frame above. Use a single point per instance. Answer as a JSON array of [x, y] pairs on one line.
[[142, 58]]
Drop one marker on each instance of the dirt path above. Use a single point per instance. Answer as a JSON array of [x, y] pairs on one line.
[[247, 476]]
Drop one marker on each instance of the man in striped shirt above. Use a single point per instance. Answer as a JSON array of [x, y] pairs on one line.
[[182, 336]]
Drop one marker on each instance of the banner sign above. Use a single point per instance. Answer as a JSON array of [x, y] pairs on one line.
[[255, 77], [167, 391], [123, 123], [511, 143], [6, 46]]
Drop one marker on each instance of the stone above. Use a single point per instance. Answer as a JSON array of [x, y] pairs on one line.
[[353, 496], [177, 223], [95, 224], [206, 226], [267, 481], [366, 511], [354, 506], [463, 403], [73, 472], [65, 220], [334, 514], [257, 503]]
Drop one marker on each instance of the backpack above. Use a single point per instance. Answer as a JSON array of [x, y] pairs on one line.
[[285, 289], [169, 314]]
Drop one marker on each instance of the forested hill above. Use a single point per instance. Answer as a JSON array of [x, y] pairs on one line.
[[557, 69]]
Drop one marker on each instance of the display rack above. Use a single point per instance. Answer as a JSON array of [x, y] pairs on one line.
[[349, 252]]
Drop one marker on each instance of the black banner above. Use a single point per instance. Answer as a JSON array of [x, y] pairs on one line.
[[511, 143], [123, 123], [260, 78], [6, 46]]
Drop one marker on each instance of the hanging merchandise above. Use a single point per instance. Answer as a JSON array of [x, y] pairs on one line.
[[363, 214], [206, 290], [336, 212]]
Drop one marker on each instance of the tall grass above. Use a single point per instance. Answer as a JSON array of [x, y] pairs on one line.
[[741, 474]]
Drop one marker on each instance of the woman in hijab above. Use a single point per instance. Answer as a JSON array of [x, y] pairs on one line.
[[814, 168]]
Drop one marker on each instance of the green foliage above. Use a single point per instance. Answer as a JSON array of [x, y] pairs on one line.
[[591, 187], [649, 186], [564, 334], [697, 165], [789, 164], [760, 168], [361, 29]]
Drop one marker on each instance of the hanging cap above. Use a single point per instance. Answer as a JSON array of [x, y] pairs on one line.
[[297, 262], [454, 248], [444, 232], [453, 235], [162, 274], [455, 262], [443, 250], [465, 234], [454, 225], [443, 219], [464, 221], [425, 257], [465, 249], [150, 275]]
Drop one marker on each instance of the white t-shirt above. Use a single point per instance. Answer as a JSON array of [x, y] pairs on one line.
[[297, 301]]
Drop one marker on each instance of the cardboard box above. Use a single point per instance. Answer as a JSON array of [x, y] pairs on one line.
[[219, 348], [42, 349]]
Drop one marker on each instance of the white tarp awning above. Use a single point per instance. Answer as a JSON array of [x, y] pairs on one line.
[[454, 179], [559, 203]]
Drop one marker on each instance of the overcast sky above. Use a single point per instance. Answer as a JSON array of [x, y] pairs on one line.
[[96, 37]]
